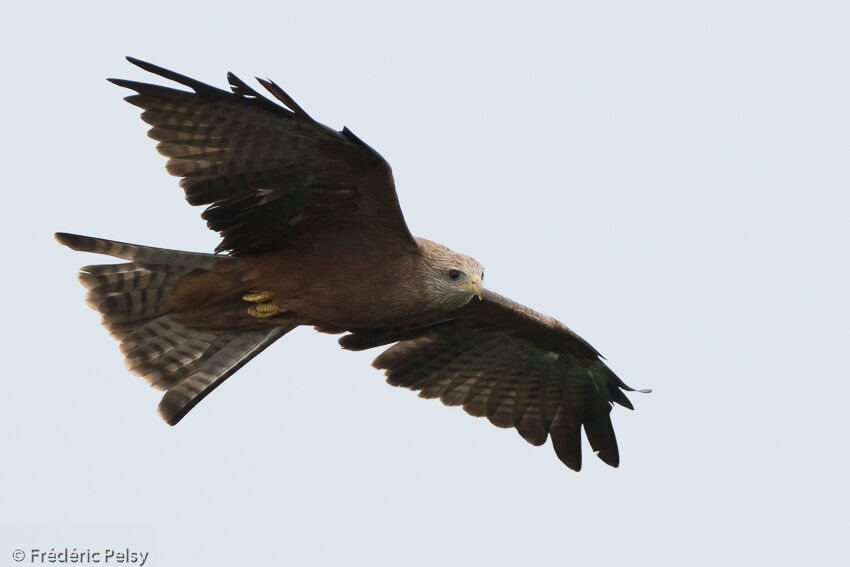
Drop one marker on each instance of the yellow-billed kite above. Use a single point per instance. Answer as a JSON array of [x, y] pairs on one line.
[[314, 236]]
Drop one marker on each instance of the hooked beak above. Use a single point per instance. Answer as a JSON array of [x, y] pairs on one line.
[[474, 286]]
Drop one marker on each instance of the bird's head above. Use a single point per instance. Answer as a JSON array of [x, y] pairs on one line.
[[453, 279]]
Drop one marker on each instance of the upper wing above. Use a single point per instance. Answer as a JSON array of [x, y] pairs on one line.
[[515, 366], [269, 173]]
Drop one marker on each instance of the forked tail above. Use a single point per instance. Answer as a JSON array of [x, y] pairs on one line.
[[132, 297]]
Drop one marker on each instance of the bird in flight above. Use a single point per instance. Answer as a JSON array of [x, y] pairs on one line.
[[314, 235]]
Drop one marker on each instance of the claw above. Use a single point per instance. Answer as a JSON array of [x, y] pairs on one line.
[[264, 310], [258, 296], [264, 307]]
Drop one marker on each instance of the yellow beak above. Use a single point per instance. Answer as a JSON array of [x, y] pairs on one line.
[[474, 286]]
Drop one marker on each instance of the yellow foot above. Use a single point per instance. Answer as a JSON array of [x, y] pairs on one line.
[[264, 310], [257, 296], [264, 307]]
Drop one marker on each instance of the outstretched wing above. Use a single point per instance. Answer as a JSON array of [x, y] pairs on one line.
[[270, 174], [517, 367]]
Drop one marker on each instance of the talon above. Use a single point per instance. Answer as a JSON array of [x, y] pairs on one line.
[[264, 310], [258, 296]]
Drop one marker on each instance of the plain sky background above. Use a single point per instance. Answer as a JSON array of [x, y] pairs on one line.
[[669, 179]]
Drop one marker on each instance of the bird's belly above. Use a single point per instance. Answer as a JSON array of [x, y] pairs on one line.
[[344, 293], [352, 308]]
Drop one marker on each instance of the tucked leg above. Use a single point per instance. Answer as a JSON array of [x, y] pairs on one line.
[[263, 307], [258, 296]]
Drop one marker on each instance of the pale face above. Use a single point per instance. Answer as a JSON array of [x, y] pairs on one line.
[[454, 279]]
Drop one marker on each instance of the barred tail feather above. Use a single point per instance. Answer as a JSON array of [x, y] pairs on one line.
[[190, 363], [186, 362], [229, 353], [137, 253], [129, 295]]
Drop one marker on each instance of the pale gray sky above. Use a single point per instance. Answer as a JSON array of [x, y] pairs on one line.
[[669, 179]]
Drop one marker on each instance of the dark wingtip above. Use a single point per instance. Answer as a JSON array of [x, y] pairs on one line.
[[281, 95], [150, 67], [235, 82], [352, 137], [241, 88], [143, 64], [620, 398], [574, 465], [610, 456], [194, 84], [613, 463], [127, 84]]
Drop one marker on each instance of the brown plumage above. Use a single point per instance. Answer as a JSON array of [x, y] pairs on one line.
[[315, 236]]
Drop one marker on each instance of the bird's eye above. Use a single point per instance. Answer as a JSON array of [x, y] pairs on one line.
[[454, 274]]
